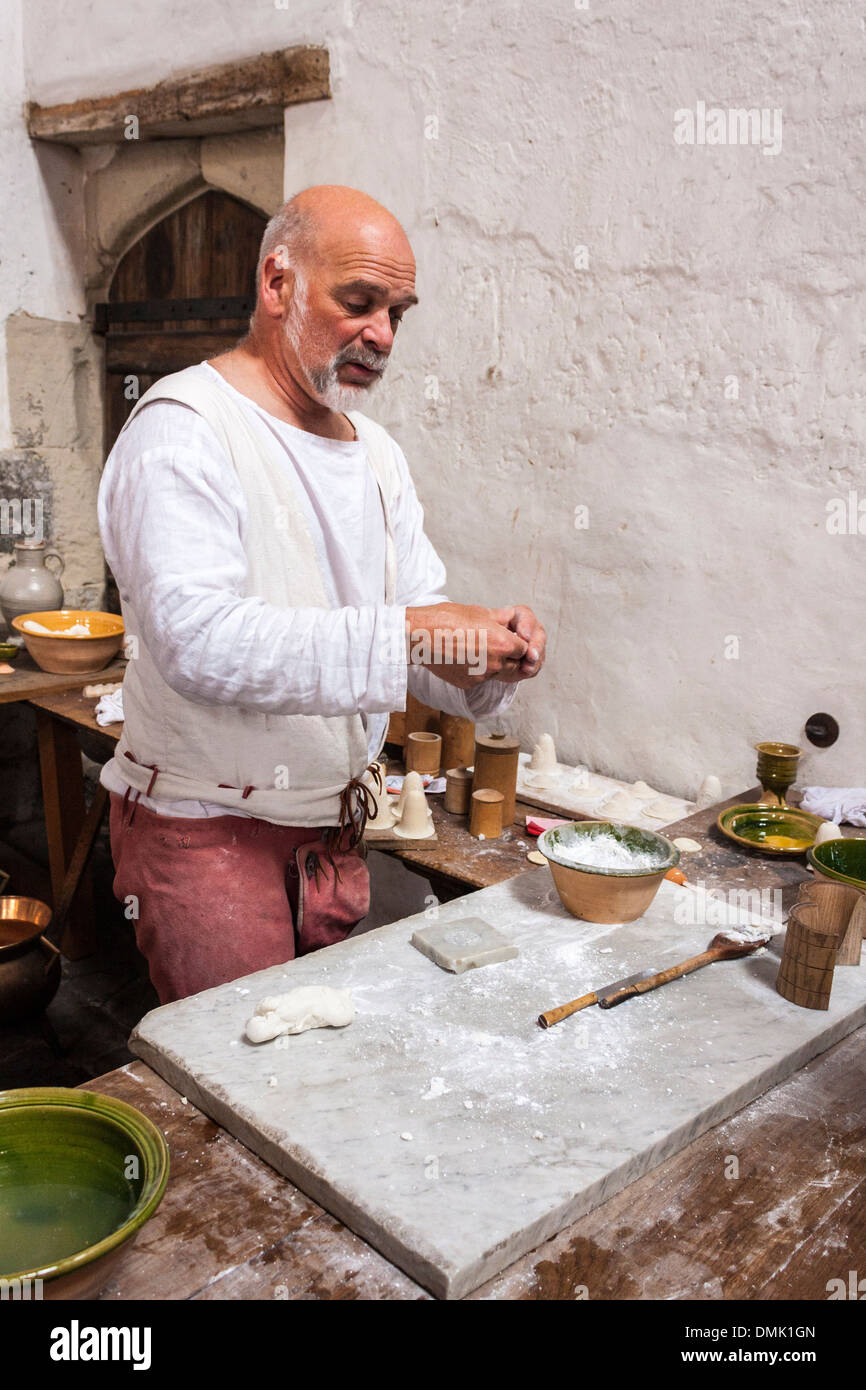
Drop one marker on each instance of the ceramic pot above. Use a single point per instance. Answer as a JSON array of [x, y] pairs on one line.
[[29, 962], [607, 896], [29, 585]]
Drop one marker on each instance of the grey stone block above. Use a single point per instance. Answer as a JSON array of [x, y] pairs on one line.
[[463, 945]]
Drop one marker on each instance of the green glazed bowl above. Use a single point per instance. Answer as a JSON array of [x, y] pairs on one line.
[[840, 861], [80, 1174], [769, 829], [606, 895]]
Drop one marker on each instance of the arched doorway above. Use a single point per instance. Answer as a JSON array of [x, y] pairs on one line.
[[183, 292]]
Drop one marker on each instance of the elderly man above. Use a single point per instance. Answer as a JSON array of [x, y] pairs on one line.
[[280, 597]]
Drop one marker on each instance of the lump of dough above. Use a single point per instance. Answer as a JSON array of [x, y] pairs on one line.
[[642, 791], [663, 808], [311, 1006], [585, 784], [827, 830], [540, 779], [688, 846], [620, 805]]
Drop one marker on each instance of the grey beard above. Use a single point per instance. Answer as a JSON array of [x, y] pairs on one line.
[[335, 394]]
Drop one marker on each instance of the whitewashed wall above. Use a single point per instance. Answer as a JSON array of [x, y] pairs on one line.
[[691, 377]]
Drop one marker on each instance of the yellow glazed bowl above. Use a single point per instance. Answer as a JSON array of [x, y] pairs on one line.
[[64, 654]]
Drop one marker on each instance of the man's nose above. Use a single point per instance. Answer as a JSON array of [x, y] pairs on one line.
[[378, 331]]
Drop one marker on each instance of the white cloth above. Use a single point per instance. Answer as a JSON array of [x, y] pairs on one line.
[[838, 804], [109, 708], [172, 515]]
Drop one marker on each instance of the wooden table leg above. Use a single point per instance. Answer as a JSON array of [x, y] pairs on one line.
[[63, 797], [75, 873]]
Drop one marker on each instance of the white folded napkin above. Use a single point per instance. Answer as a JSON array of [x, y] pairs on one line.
[[109, 708], [837, 804]]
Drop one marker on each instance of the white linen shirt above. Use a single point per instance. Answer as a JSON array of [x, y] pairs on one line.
[[172, 515]]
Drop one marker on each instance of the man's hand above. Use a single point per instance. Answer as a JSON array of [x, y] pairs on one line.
[[523, 621], [466, 644]]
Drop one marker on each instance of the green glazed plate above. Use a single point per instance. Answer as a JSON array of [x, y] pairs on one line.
[[770, 829], [80, 1173]]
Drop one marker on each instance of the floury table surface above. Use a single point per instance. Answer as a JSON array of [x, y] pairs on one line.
[[515, 1131]]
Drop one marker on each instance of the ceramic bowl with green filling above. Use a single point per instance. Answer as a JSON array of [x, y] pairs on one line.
[[769, 829], [606, 895], [840, 861], [80, 1174]]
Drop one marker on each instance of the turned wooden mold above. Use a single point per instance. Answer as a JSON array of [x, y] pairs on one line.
[[842, 908], [458, 740], [485, 817], [458, 790], [423, 752], [420, 717], [824, 930], [496, 763]]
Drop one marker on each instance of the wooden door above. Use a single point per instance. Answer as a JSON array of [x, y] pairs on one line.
[[182, 293]]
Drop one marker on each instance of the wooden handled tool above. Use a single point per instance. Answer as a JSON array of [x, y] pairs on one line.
[[594, 997], [722, 947]]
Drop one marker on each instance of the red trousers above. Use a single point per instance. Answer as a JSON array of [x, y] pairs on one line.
[[216, 898]]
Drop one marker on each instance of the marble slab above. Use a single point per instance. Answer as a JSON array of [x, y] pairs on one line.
[[561, 791], [444, 1126]]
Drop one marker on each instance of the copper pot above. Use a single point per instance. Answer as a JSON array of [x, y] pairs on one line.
[[29, 961]]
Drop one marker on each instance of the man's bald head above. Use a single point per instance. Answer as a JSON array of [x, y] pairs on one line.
[[316, 222]]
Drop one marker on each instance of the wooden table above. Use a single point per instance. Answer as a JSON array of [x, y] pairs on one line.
[[29, 682], [66, 816], [230, 1227], [454, 863]]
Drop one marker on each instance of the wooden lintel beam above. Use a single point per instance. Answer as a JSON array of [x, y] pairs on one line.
[[246, 95]]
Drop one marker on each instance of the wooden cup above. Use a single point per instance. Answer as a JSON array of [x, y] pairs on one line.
[[485, 817], [423, 752], [840, 908], [458, 790], [808, 958]]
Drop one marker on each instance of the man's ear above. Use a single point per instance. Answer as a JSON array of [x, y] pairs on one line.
[[277, 277]]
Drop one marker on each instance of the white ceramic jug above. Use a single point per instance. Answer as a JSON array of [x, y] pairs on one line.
[[29, 586]]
